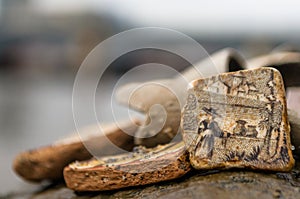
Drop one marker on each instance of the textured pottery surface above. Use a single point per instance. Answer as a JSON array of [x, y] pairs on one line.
[[143, 166]]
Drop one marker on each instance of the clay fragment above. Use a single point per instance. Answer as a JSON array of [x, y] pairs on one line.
[[238, 120], [143, 166], [48, 162]]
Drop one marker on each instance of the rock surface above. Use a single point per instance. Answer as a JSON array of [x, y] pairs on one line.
[[225, 184]]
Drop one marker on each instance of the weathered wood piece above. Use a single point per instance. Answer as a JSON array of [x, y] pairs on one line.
[[238, 120], [143, 166], [47, 163]]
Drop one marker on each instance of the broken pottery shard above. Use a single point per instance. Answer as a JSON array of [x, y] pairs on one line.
[[143, 166], [238, 120], [47, 163]]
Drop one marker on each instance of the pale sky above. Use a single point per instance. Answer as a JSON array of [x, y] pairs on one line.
[[210, 16]]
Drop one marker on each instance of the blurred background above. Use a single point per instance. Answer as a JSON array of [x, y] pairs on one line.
[[43, 42]]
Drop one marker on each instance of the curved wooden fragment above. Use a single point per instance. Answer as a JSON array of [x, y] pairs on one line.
[[47, 163]]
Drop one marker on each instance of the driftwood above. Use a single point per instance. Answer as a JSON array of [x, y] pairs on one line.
[[47, 163]]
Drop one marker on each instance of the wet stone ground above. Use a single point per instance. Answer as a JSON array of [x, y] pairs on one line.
[[212, 184]]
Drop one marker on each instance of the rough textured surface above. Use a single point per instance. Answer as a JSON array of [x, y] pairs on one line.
[[144, 166], [225, 184], [238, 120], [47, 163]]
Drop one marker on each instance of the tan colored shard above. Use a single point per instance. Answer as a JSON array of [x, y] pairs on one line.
[[238, 120], [143, 166]]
